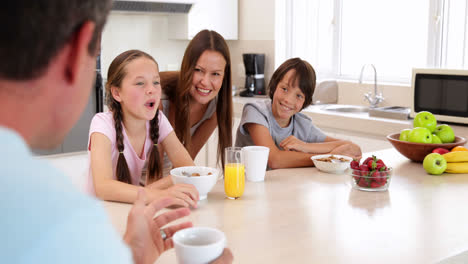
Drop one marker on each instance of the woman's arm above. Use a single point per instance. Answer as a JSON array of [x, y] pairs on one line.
[[201, 135], [112, 190], [176, 152], [277, 158]]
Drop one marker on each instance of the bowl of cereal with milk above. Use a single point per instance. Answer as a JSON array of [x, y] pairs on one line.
[[331, 163], [203, 178]]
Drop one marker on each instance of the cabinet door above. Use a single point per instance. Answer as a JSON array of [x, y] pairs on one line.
[[217, 15]]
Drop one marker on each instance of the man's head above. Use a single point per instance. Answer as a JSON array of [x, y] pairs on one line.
[[48, 50]]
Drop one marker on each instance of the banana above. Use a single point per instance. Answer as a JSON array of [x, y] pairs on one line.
[[457, 167], [456, 156]]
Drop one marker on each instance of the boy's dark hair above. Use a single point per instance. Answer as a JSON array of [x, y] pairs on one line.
[[304, 72], [33, 31]]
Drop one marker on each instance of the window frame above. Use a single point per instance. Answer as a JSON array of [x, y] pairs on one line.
[[437, 42]]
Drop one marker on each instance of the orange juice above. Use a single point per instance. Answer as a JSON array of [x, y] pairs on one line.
[[234, 180]]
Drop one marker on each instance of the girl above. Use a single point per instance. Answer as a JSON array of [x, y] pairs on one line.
[[277, 124], [124, 143], [199, 98]]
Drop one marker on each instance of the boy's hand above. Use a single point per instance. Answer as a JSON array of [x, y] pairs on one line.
[[293, 144]]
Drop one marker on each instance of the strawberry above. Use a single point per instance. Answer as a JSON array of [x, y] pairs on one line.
[[354, 165], [379, 161], [375, 184], [375, 174], [381, 167], [382, 177], [363, 183], [371, 164], [366, 161], [364, 170]]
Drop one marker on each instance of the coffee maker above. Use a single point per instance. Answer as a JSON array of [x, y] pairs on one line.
[[254, 74]]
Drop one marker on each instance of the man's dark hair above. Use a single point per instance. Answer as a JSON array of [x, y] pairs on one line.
[[33, 31]]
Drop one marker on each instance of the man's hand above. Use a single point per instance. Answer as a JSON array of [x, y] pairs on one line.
[[143, 234]]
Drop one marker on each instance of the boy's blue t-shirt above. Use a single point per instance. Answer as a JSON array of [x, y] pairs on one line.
[[45, 219], [260, 112]]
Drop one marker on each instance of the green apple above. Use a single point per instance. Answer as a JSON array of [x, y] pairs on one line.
[[436, 139], [445, 133], [404, 134], [420, 135], [425, 119], [435, 164]]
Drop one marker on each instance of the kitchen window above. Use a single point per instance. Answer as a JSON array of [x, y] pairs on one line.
[[338, 37]]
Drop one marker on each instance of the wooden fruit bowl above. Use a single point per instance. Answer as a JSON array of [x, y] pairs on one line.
[[417, 151]]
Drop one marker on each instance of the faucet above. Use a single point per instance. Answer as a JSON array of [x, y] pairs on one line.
[[376, 98]]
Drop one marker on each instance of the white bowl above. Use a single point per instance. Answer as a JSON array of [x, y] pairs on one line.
[[203, 183], [331, 167]]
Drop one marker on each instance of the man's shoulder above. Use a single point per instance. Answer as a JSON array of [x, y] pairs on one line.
[[47, 213]]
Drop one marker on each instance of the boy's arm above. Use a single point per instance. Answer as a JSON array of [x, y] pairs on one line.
[[277, 158], [330, 145]]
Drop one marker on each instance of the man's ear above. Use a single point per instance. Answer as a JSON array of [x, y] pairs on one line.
[[116, 94], [78, 52]]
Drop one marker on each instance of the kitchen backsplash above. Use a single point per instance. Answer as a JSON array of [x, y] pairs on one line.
[[353, 93]]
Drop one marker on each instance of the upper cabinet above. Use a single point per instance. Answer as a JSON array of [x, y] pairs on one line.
[[218, 15]]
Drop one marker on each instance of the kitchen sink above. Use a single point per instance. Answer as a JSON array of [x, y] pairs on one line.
[[346, 108], [393, 112]]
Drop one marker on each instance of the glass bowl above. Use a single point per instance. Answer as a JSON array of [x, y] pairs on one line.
[[372, 181]]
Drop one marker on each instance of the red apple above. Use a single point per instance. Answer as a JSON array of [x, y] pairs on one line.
[[441, 151]]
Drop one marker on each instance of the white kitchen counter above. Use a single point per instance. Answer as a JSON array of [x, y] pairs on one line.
[[360, 123]]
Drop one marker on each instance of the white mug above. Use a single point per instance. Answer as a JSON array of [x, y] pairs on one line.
[[198, 245], [256, 161]]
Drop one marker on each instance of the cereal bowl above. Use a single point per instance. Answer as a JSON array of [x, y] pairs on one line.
[[203, 178], [372, 181], [331, 163]]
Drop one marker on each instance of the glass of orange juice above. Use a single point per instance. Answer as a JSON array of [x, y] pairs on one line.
[[234, 179]]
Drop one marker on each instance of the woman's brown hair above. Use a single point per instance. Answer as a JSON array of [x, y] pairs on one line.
[[180, 97], [115, 76], [304, 72]]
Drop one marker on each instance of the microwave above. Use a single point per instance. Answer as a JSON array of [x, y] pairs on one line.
[[442, 92]]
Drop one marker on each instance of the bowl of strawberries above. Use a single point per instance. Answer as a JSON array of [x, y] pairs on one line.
[[371, 175]]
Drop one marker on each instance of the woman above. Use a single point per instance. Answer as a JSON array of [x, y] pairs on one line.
[[198, 99]]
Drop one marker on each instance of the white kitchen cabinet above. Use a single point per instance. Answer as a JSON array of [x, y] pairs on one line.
[[218, 15]]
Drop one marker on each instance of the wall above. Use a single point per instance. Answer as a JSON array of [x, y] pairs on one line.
[[147, 32], [353, 93], [256, 35]]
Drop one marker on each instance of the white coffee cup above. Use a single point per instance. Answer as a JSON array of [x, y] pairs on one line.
[[198, 245], [256, 161]]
